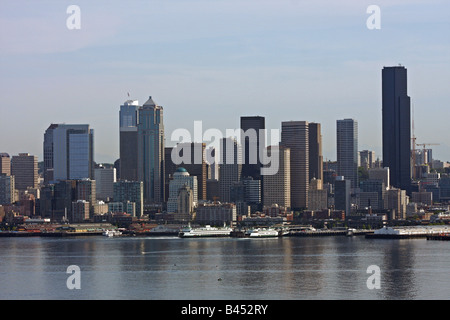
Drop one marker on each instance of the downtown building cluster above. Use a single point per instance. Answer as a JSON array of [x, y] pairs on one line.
[[227, 185]]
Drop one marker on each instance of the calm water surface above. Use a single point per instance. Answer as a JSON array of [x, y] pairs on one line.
[[224, 268]]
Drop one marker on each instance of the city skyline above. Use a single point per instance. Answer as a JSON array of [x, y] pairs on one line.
[[274, 60]]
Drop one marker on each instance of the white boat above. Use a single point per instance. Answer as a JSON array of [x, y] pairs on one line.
[[111, 233], [263, 233], [163, 230], [206, 231]]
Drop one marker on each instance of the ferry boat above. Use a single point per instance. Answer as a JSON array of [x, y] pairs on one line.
[[206, 231], [408, 232], [111, 233], [263, 233], [163, 230]]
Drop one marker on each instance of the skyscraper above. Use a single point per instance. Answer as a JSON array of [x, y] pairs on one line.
[[367, 158], [193, 155], [278, 185], [294, 135], [180, 179], [130, 192], [24, 168], [68, 152], [315, 151], [396, 117], [128, 119], [86, 190], [251, 143], [5, 164], [230, 167], [6, 189], [48, 153], [347, 150], [342, 194], [317, 196], [151, 151], [105, 179]]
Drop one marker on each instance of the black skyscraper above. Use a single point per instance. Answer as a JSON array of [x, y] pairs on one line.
[[252, 164], [396, 126]]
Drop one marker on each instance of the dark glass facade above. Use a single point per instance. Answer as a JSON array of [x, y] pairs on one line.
[[396, 126]]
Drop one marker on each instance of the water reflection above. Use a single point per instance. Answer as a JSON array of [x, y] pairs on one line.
[[227, 268], [398, 276]]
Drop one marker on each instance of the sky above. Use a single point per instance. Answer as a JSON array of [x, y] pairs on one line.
[[216, 60]]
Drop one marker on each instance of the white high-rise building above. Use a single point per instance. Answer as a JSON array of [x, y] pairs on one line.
[[181, 178]]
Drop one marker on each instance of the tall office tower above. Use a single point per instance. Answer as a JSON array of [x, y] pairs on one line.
[[317, 196], [396, 200], [48, 153], [68, 152], [104, 182], [86, 190], [212, 164], [278, 185], [347, 150], [7, 189], [252, 142], [342, 194], [372, 194], [80, 211], [181, 178], [185, 205], [56, 200], [396, 117], [294, 135], [5, 164], [24, 168], [230, 169], [169, 169], [130, 191], [128, 126], [315, 151], [151, 151], [193, 155], [248, 193], [380, 174], [367, 159], [213, 190]]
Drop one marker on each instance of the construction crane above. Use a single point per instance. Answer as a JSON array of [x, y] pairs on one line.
[[424, 148], [426, 144]]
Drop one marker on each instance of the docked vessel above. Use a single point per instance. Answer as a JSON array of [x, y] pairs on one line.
[[408, 232], [263, 233], [206, 231], [111, 233], [163, 230]]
